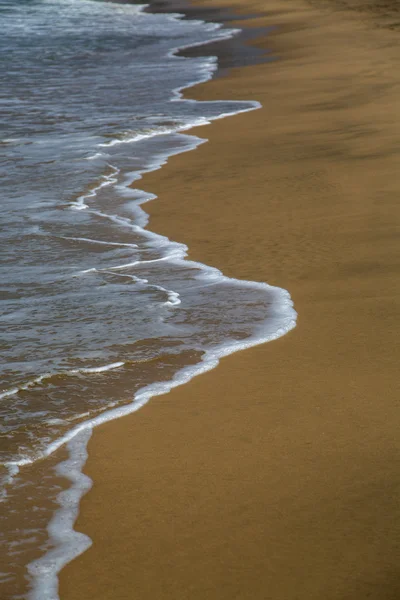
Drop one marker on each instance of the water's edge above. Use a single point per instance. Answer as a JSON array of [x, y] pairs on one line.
[[67, 543]]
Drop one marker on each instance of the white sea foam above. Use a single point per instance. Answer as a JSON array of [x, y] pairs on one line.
[[130, 137], [67, 543], [110, 367], [101, 242], [7, 479], [282, 321], [173, 298], [80, 204], [134, 263], [209, 67], [132, 277], [282, 318], [41, 378], [95, 156]]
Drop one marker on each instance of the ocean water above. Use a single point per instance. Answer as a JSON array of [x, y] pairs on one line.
[[97, 312]]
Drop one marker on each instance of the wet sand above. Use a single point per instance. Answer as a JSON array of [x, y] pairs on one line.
[[277, 475]]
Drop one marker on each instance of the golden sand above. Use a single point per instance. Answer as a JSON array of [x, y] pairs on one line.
[[277, 475]]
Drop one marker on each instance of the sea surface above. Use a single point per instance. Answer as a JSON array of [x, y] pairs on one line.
[[97, 312]]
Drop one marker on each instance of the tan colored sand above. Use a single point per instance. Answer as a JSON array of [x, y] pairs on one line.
[[277, 475]]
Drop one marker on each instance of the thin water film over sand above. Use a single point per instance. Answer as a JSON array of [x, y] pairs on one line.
[[98, 313]]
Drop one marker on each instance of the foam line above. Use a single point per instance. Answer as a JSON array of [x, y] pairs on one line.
[[37, 380], [80, 204], [67, 543], [94, 156], [124, 221], [156, 132], [91, 241], [135, 263], [284, 314], [110, 367], [133, 277], [25, 386], [7, 479], [178, 257], [173, 297], [177, 93]]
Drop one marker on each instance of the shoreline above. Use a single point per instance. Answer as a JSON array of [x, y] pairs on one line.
[[68, 544], [181, 482]]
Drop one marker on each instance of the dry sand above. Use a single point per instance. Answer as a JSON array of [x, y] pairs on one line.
[[277, 475]]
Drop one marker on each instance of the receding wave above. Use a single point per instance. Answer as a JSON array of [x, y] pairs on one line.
[[195, 316], [100, 313]]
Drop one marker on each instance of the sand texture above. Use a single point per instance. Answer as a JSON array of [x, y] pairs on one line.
[[277, 475]]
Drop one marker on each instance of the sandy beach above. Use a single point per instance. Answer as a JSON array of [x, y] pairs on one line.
[[276, 475]]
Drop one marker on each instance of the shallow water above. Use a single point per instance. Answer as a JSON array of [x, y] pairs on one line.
[[97, 312]]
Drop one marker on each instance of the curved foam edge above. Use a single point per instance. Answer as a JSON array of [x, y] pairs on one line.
[[68, 543], [177, 94], [284, 313], [79, 203]]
